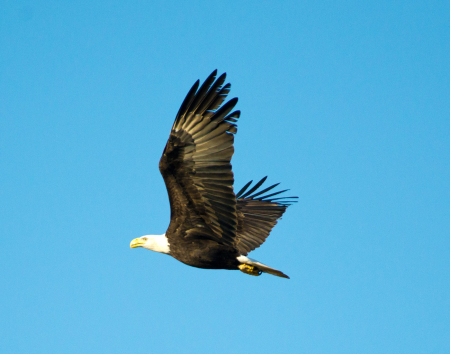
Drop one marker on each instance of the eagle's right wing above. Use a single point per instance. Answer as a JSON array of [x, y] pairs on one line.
[[257, 215]]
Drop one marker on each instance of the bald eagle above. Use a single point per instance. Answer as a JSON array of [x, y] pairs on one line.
[[210, 226]]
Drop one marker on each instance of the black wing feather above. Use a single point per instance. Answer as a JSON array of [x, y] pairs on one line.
[[255, 187], [257, 217], [238, 195], [196, 165]]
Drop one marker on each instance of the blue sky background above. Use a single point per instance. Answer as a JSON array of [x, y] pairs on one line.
[[345, 103]]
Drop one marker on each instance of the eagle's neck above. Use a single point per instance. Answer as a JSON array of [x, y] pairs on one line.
[[157, 243]]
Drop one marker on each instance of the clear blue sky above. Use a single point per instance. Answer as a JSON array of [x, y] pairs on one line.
[[345, 103]]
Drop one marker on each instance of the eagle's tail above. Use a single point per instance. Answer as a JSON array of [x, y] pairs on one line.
[[253, 267]]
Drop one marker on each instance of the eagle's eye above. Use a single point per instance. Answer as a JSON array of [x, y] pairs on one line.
[[144, 238]]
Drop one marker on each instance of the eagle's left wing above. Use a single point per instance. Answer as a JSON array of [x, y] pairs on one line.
[[196, 164]]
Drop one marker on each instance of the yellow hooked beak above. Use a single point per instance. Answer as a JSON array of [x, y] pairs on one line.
[[137, 242]]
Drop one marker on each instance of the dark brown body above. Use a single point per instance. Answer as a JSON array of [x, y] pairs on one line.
[[206, 254]]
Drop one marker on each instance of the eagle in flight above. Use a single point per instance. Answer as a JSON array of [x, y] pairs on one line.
[[210, 226]]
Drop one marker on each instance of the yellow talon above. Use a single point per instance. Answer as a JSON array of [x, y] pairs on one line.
[[248, 269]]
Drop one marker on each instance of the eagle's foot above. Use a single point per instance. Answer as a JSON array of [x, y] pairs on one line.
[[248, 269]]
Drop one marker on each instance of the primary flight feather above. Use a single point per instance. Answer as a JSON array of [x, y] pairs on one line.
[[210, 226]]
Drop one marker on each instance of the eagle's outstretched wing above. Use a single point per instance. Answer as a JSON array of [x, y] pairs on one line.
[[196, 165], [257, 215]]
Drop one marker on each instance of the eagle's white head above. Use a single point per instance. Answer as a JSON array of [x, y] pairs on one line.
[[157, 243]]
